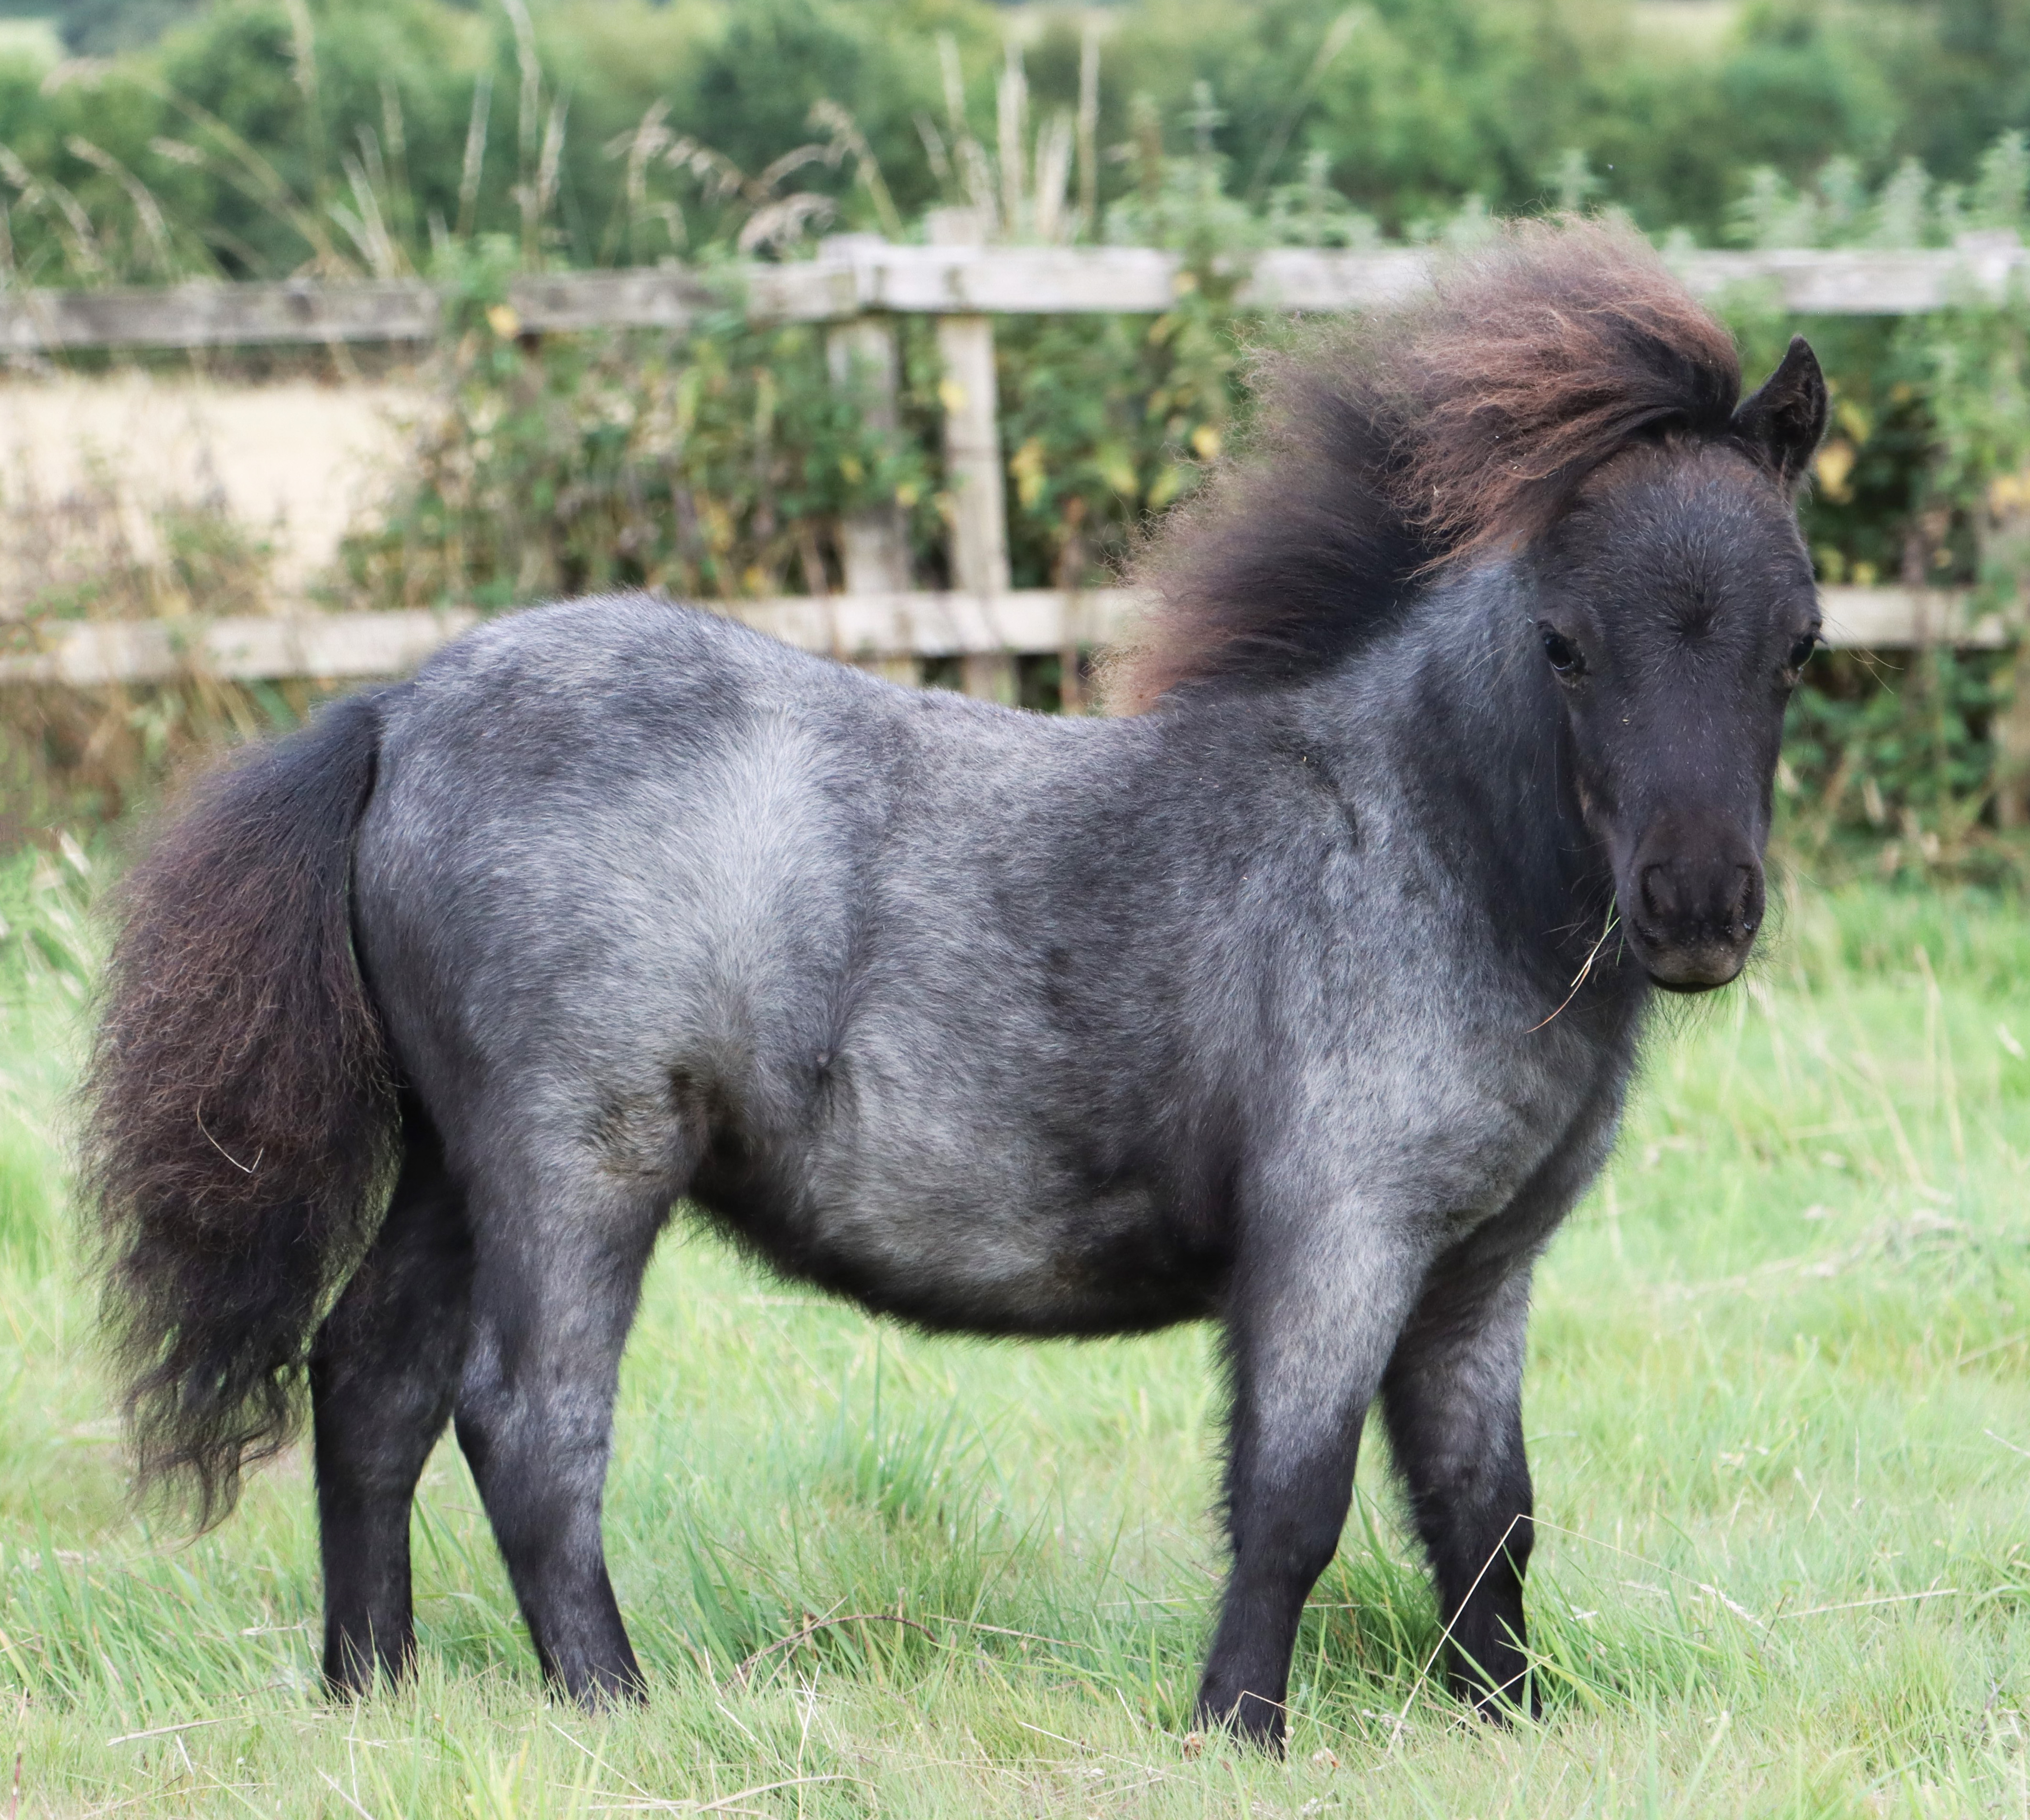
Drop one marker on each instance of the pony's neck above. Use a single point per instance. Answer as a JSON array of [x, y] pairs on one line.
[[1461, 697]]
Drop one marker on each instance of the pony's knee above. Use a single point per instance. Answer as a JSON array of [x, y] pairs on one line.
[[1288, 1534], [538, 1404]]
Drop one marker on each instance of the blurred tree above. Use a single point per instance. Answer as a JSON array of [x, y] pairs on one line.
[[1960, 70], [103, 27], [351, 108]]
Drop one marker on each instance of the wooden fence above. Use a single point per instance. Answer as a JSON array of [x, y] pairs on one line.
[[859, 284], [856, 274]]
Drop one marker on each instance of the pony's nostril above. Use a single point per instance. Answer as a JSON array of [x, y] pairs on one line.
[[1746, 914], [1660, 894]]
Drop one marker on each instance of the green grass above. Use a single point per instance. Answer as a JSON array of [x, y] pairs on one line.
[[1780, 1418]]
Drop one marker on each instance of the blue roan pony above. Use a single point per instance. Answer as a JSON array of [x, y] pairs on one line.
[[1303, 999]]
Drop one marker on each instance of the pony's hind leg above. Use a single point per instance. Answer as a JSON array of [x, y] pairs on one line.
[[561, 1254], [1452, 1399], [384, 1372]]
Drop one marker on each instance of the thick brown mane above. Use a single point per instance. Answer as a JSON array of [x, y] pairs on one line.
[[1459, 423]]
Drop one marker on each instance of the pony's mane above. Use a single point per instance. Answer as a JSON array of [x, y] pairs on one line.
[[1457, 423]]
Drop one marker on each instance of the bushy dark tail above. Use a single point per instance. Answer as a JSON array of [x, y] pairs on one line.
[[239, 1118]]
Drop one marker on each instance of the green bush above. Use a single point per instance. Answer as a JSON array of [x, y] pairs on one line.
[[335, 134]]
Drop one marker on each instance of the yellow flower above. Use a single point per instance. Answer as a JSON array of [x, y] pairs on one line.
[[1116, 468], [2009, 493], [1834, 464], [1026, 466]]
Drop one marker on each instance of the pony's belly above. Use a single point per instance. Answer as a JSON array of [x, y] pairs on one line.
[[1096, 1264]]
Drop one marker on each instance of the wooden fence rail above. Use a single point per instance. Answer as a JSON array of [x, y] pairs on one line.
[[879, 630], [858, 285], [854, 274]]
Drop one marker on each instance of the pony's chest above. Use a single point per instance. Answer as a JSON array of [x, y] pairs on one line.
[[1545, 1128], [1460, 1116]]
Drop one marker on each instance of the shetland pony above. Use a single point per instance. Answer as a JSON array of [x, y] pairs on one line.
[[1303, 999]]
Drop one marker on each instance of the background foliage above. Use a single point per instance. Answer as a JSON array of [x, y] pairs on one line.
[[1412, 105], [257, 138]]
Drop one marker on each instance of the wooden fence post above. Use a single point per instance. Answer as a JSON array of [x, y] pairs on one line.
[[874, 544], [2006, 546], [973, 464], [2012, 796]]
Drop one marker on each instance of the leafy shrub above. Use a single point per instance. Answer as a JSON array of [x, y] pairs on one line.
[[258, 136], [714, 464]]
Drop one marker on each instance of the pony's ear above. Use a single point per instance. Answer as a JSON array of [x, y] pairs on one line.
[[1783, 421]]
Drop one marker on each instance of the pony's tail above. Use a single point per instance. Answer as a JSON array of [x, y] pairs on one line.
[[239, 1119]]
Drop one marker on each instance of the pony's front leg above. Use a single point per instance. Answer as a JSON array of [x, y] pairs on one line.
[[1452, 1399], [1314, 1317]]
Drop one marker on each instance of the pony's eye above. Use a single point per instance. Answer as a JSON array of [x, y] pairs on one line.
[[1801, 653], [1563, 654]]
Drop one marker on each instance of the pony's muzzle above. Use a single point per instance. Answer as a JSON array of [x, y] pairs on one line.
[[1694, 910]]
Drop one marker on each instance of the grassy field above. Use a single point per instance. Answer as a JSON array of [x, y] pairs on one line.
[[1780, 1418]]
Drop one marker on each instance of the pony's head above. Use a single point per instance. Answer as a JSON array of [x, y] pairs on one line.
[[1561, 406], [1674, 607]]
